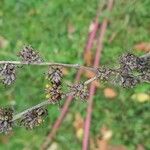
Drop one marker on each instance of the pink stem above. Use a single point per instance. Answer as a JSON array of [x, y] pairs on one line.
[[64, 111], [92, 87]]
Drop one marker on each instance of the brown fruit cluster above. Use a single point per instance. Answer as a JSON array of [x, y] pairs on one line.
[[8, 73], [6, 123], [53, 89], [33, 118], [29, 55], [79, 90]]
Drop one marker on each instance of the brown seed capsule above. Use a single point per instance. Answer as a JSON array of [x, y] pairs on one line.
[[79, 90], [53, 93], [55, 75], [28, 54], [6, 116], [105, 73], [8, 73], [34, 118]]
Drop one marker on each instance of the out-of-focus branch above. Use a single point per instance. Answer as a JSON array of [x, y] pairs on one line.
[[92, 87]]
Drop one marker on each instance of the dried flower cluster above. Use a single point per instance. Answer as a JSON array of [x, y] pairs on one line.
[[79, 90], [8, 73], [34, 118], [132, 70], [6, 116], [53, 89], [29, 55]]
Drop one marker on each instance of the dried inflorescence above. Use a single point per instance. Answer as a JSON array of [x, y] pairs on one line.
[[132, 70], [105, 73], [29, 55], [54, 75], [79, 90], [8, 73], [34, 118], [53, 89], [6, 123]]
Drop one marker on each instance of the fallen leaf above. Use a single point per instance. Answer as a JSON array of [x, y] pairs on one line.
[[88, 57], [53, 146], [140, 147], [110, 93], [106, 135], [78, 125], [3, 42], [141, 97], [143, 46]]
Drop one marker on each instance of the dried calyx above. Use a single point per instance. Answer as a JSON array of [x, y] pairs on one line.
[[6, 123], [132, 71], [54, 75], [33, 118], [8, 73], [53, 88], [29, 55], [79, 90]]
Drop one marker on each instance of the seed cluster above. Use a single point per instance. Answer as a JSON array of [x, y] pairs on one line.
[[34, 118], [132, 71], [53, 89], [6, 123], [8, 73], [79, 90], [29, 55]]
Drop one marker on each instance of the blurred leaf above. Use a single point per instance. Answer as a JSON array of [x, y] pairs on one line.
[[110, 93], [3, 42], [88, 57], [141, 97], [78, 125], [143, 46]]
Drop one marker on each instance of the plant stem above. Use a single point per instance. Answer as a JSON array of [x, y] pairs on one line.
[[76, 66], [87, 124], [47, 102]]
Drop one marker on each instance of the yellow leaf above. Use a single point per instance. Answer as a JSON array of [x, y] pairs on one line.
[[141, 97]]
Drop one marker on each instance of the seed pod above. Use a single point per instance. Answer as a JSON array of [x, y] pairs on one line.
[[128, 81], [79, 90], [6, 116], [145, 77], [53, 93], [29, 55], [55, 75], [34, 118], [8, 73], [129, 60], [105, 73]]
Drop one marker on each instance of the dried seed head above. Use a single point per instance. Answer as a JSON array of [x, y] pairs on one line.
[[34, 118], [143, 65], [8, 73], [53, 93], [55, 75], [129, 60], [145, 77], [79, 90], [28, 54], [6, 116], [128, 81], [105, 73]]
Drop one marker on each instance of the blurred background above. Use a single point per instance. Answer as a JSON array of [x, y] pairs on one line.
[[58, 29]]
